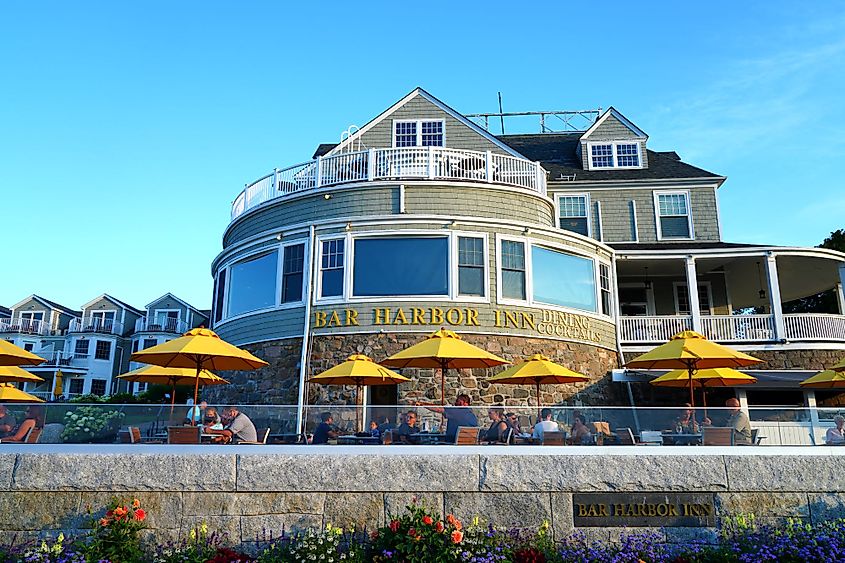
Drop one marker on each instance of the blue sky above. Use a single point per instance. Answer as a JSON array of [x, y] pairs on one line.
[[126, 129]]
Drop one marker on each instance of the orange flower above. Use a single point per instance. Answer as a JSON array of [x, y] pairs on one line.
[[450, 519], [417, 537], [119, 511], [136, 503], [428, 520], [457, 536], [439, 527], [457, 524], [104, 522], [140, 515]]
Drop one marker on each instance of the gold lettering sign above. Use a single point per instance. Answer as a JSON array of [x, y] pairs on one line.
[[559, 324]]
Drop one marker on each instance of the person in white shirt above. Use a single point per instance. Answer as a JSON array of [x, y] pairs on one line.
[[546, 424], [836, 435]]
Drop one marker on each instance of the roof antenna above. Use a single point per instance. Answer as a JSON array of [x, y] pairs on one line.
[[501, 113]]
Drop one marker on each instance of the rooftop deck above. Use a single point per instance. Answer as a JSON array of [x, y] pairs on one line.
[[413, 163]]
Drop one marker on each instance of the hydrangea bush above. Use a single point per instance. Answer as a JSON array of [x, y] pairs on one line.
[[91, 424]]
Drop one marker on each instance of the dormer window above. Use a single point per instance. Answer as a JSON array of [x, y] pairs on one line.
[[418, 133], [614, 155]]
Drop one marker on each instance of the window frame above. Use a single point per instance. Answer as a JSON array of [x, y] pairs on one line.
[[455, 272], [529, 300], [246, 258], [702, 283], [419, 122], [650, 306], [305, 269], [659, 227], [96, 344], [587, 210], [105, 384], [318, 264], [614, 154], [76, 353]]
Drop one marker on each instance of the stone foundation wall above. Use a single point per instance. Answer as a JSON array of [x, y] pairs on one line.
[[797, 359], [278, 382], [252, 492]]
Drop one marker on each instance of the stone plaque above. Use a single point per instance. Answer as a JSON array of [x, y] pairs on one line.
[[610, 510]]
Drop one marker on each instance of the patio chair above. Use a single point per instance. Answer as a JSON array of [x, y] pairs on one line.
[[756, 439], [651, 437], [625, 437], [717, 436], [553, 439], [467, 435], [261, 434], [183, 434], [33, 436], [387, 439]]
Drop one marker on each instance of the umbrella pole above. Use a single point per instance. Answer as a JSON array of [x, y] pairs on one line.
[[443, 364], [538, 401], [691, 395], [196, 390], [704, 397]]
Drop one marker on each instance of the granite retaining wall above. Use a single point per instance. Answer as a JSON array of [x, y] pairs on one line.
[[249, 492]]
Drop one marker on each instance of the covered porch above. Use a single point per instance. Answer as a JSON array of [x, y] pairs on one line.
[[752, 294]]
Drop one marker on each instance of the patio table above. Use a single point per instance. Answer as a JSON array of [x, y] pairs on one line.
[[681, 439], [428, 438], [358, 440]]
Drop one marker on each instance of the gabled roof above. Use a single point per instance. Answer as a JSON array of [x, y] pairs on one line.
[[557, 153], [117, 302], [48, 303], [624, 120], [323, 149], [171, 296], [422, 93]]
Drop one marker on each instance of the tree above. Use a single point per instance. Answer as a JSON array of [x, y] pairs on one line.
[[826, 301]]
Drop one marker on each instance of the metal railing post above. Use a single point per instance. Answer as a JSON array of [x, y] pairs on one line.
[[371, 164]]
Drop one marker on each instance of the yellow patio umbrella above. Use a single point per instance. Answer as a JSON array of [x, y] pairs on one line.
[[11, 394], [691, 351], [538, 370], [840, 366], [199, 348], [10, 374], [443, 350], [11, 355], [712, 377], [58, 384], [827, 379], [171, 377], [358, 370]]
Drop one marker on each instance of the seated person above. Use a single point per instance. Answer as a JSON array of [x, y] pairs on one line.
[[546, 424], [374, 431], [737, 420], [836, 436], [512, 420], [403, 432], [239, 428], [34, 419], [580, 433], [211, 420], [384, 426], [194, 414], [7, 422], [686, 423], [324, 431], [498, 431]]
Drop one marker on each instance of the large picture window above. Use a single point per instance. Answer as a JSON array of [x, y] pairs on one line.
[[252, 284], [331, 268], [513, 270], [563, 279], [471, 266], [293, 267], [401, 266]]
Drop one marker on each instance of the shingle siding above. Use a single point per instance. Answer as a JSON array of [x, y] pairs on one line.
[[281, 323], [612, 129]]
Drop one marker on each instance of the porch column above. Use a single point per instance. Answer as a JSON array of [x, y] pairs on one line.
[[774, 296], [840, 296], [692, 293]]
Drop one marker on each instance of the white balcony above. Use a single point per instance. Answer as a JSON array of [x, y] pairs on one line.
[[66, 361], [411, 163], [25, 326], [96, 324], [656, 329], [161, 324]]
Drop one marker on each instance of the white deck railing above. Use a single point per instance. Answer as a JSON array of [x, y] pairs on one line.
[[24, 326], [433, 163], [148, 324], [94, 324], [652, 328], [814, 326], [736, 328]]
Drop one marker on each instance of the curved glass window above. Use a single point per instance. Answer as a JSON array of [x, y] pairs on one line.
[[563, 279], [401, 266], [252, 284]]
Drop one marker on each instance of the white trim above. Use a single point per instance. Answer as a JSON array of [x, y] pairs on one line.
[[114, 301], [707, 285], [624, 120], [614, 155], [411, 95], [318, 299], [155, 313], [419, 133], [718, 212], [598, 221], [587, 210], [454, 271], [32, 312], [171, 296], [658, 227]]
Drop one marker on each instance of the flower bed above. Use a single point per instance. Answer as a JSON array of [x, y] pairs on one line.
[[421, 535]]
